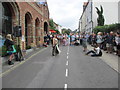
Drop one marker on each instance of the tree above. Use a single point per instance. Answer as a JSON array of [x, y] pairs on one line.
[[100, 18], [52, 26], [67, 31], [51, 23]]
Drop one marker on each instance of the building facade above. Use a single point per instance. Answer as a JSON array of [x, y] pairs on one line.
[[82, 20], [31, 16], [111, 13]]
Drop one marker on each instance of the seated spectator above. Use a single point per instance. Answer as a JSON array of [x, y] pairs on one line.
[[96, 52], [45, 44]]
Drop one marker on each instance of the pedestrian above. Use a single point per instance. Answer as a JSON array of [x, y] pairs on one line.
[[90, 39], [84, 43], [81, 36], [55, 49], [110, 42], [10, 48], [48, 39], [96, 52], [66, 39], [73, 39], [70, 39], [99, 39], [117, 40], [104, 41], [93, 39]]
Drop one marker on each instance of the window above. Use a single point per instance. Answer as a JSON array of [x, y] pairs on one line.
[[6, 19]]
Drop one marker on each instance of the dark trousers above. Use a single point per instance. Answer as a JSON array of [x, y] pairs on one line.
[[93, 53], [54, 51], [80, 41]]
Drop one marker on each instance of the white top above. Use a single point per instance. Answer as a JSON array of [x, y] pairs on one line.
[[97, 50]]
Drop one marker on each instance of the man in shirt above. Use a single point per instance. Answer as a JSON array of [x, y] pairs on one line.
[[96, 52]]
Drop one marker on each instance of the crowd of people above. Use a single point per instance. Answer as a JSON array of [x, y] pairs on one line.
[[109, 42]]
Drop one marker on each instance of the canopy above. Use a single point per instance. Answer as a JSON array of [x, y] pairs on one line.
[[52, 31]]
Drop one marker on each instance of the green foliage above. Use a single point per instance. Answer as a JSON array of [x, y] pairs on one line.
[[3, 51], [57, 31], [66, 31], [107, 28], [51, 23], [100, 18]]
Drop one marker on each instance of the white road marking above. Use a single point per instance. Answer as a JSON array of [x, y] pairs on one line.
[[68, 48], [65, 87], [67, 53], [67, 57], [67, 63], [66, 74]]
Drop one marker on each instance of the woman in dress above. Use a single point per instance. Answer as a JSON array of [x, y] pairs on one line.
[[55, 50], [10, 48]]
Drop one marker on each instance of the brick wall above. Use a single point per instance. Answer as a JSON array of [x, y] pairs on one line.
[[35, 14]]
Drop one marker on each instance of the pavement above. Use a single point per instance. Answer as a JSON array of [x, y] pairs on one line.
[[111, 59], [71, 69], [4, 60]]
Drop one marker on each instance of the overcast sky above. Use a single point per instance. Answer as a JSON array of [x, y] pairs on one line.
[[66, 12]]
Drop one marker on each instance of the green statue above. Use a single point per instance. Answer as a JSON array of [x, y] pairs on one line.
[[100, 18]]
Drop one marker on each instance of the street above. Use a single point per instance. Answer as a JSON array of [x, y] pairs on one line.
[[71, 69]]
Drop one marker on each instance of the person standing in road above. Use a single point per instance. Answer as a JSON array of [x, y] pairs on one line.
[[55, 50], [84, 43]]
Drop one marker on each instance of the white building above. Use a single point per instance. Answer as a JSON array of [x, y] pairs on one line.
[[82, 20], [111, 13], [119, 12], [60, 28]]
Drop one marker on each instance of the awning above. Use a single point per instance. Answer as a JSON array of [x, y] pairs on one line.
[[52, 31]]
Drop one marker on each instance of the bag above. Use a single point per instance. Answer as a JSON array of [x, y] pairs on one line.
[[17, 57], [11, 49], [58, 50]]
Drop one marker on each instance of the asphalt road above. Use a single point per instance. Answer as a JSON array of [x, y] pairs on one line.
[[70, 69]]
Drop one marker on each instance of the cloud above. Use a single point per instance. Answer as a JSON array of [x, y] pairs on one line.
[[66, 12]]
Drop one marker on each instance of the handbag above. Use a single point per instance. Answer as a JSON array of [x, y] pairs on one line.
[[11, 49]]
